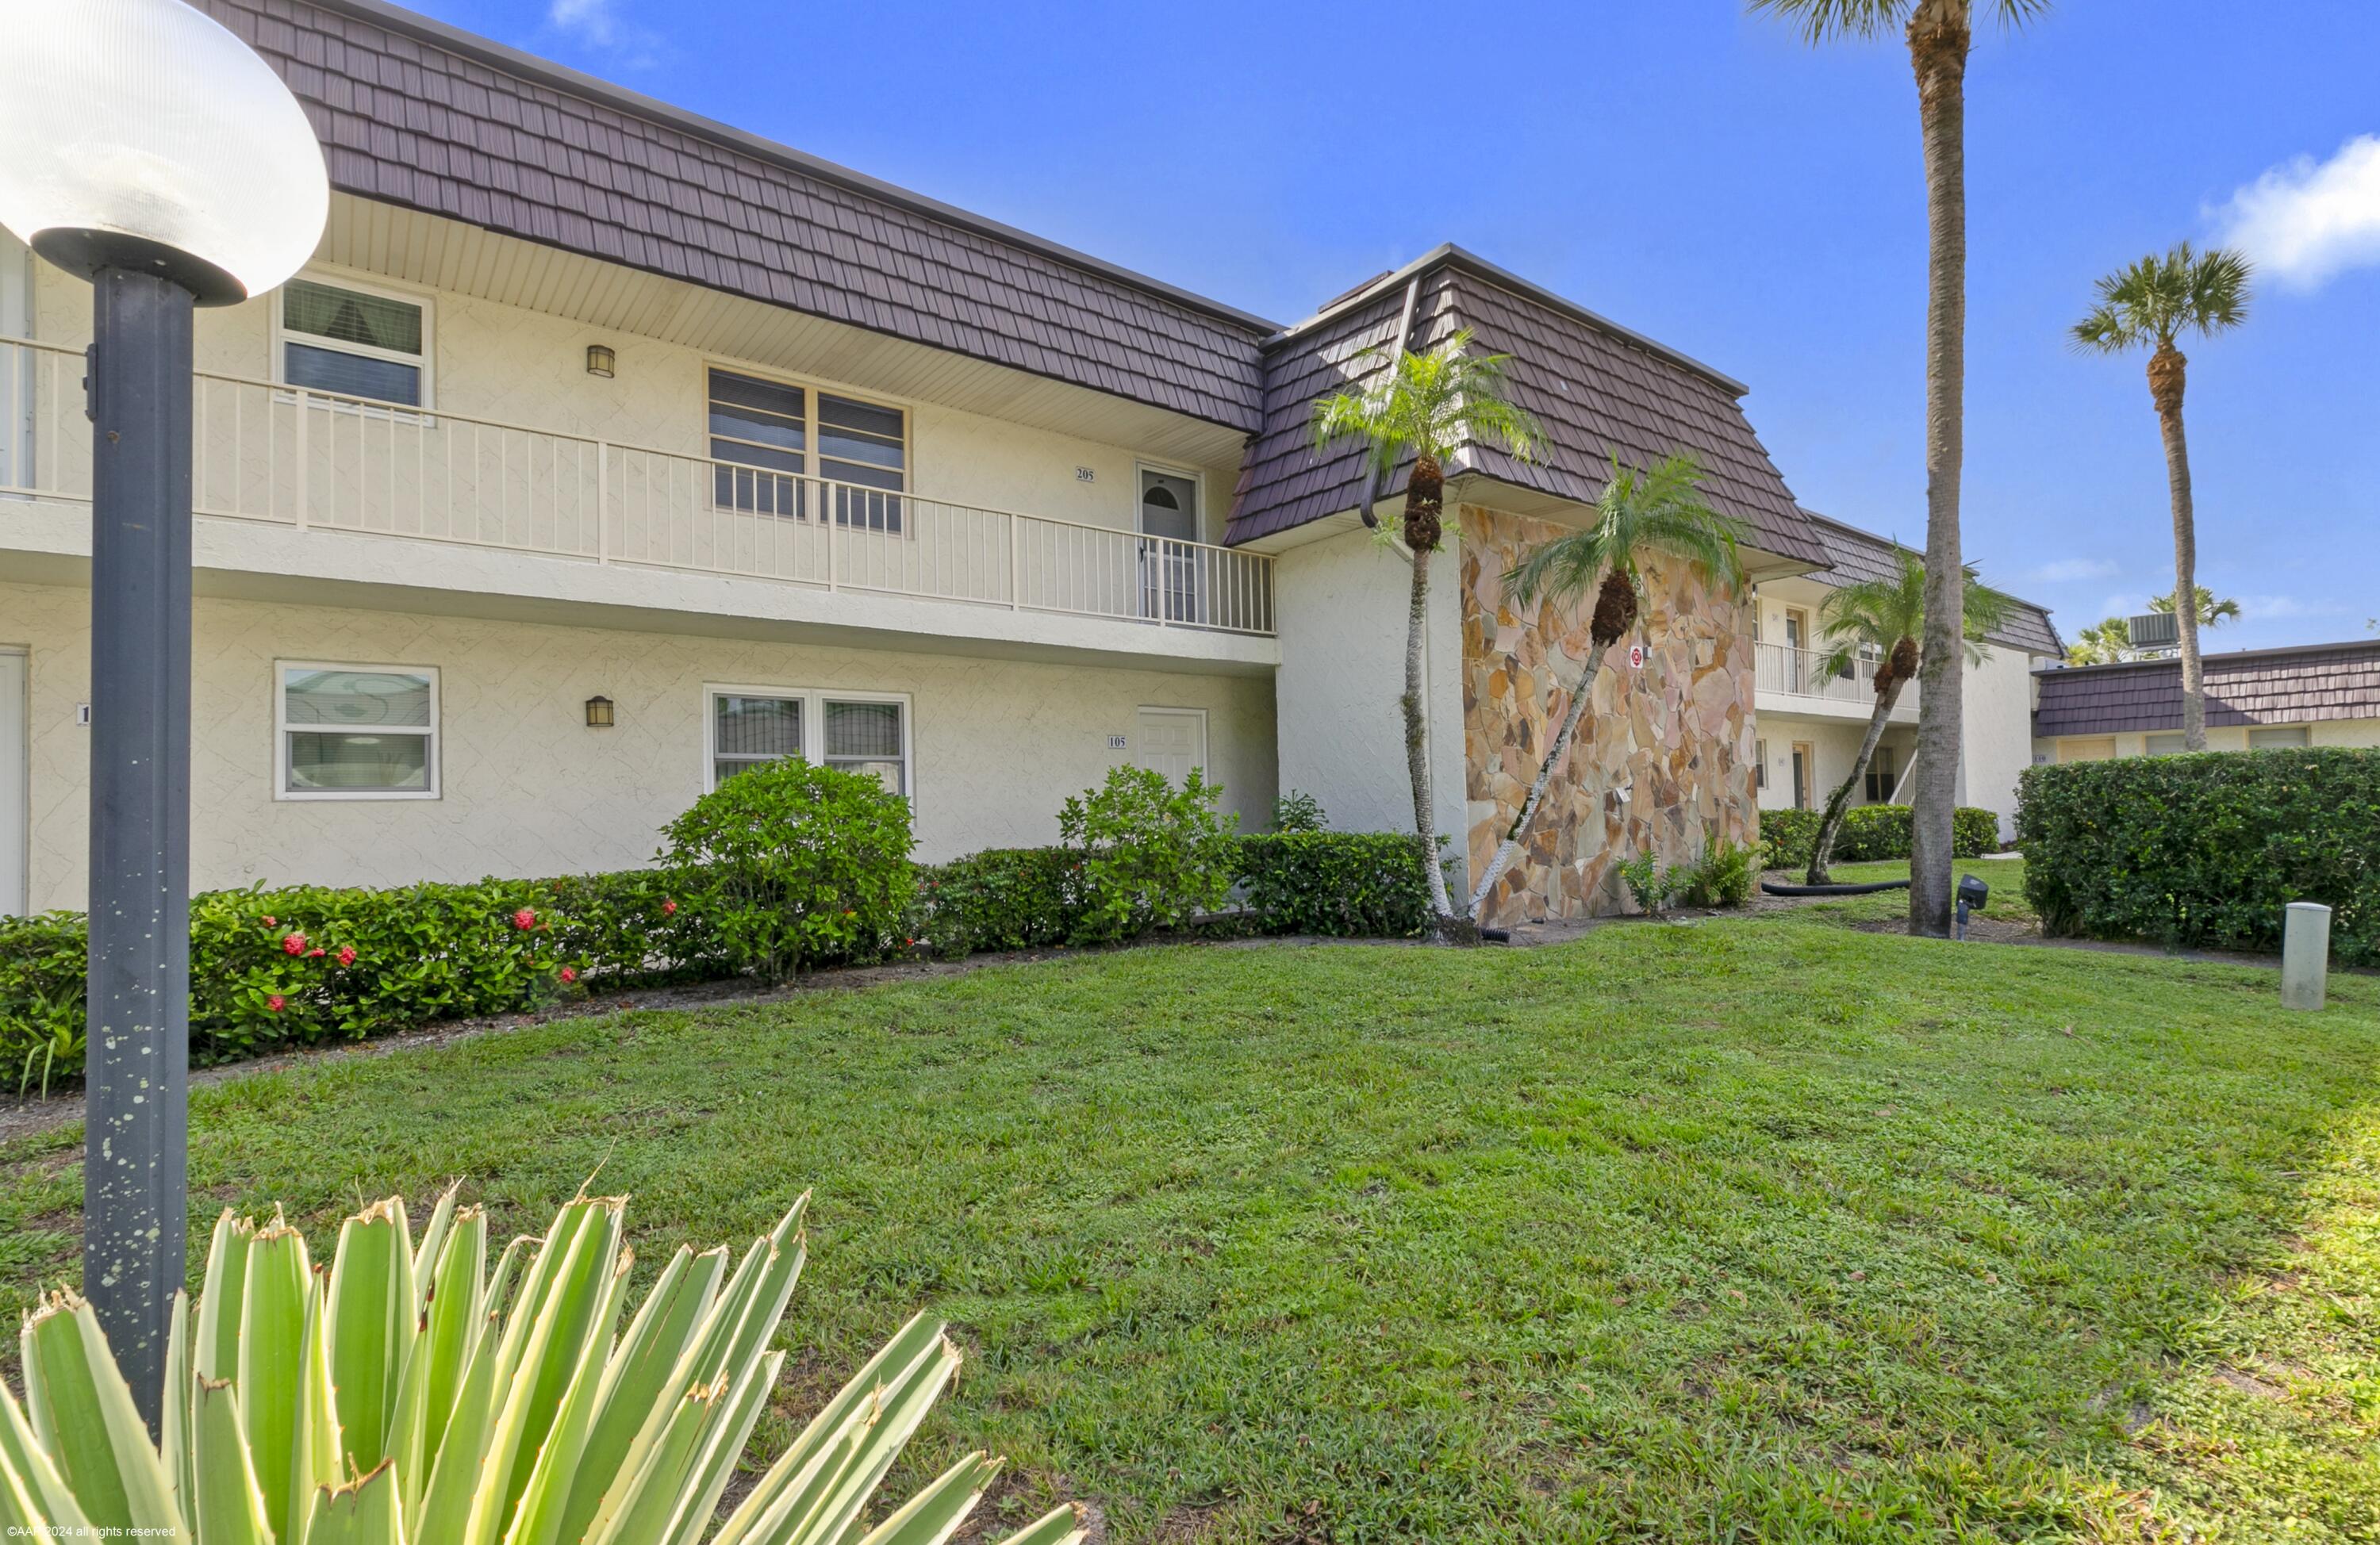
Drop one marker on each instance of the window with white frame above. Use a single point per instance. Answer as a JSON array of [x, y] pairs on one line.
[[2167, 745], [356, 732], [860, 733], [2279, 737], [355, 343], [761, 434]]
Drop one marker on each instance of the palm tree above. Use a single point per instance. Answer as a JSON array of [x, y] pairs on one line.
[[2213, 610], [1638, 514], [2152, 301], [1888, 616], [2103, 643], [1425, 406], [1940, 33]]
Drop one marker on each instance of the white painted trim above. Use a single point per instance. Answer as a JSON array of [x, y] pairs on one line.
[[16, 881], [813, 701], [280, 733], [276, 334], [1195, 479]]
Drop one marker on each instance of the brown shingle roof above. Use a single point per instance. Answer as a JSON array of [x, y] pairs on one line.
[[1599, 389], [414, 113], [2248, 686], [1862, 555]]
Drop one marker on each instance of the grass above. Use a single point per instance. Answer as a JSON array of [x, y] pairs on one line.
[[1750, 1229]]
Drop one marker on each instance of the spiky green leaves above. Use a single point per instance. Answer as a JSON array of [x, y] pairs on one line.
[[403, 1397]]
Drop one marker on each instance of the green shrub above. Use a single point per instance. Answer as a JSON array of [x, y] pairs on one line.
[[1001, 899], [1297, 812], [43, 982], [630, 926], [1152, 855], [2206, 850], [1648, 882], [1721, 878], [1871, 832], [1340, 884], [791, 866]]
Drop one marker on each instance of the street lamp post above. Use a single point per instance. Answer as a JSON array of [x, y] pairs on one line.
[[153, 153]]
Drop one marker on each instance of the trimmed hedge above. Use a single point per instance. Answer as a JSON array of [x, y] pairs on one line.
[[1870, 832], [2206, 850], [372, 963], [1342, 884]]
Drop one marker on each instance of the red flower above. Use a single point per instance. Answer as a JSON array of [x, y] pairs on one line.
[[294, 944], [274, 1002], [314, 952], [569, 974], [669, 909], [524, 920], [272, 922], [346, 955]]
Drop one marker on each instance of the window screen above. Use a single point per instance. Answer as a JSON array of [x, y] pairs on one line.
[[763, 426], [356, 732], [748, 733], [2167, 745], [2278, 737], [866, 738], [351, 343]]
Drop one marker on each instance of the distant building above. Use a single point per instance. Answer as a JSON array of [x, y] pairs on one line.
[[2256, 700]]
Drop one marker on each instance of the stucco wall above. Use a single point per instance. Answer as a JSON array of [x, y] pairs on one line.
[[1833, 742], [1996, 739], [1663, 762], [507, 363], [2352, 733], [1342, 603], [528, 789]]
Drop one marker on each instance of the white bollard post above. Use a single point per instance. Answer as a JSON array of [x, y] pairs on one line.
[[2305, 955]]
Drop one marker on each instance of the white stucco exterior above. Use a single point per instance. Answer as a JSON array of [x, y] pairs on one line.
[[528, 789], [1342, 602]]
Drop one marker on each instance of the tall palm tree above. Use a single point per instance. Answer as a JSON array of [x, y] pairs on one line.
[[2154, 301], [2104, 643], [1637, 515], [1888, 616], [1425, 406], [2213, 610], [1938, 33]]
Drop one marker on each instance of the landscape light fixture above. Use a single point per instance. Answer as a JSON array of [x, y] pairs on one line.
[[150, 151]]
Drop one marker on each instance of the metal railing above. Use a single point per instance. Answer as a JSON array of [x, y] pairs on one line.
[[316, 459], [1780, 667]]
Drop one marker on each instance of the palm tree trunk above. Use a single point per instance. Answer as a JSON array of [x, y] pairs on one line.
[[2167, 367], [1830, 825], [1417, 736], [1939, 38], [1579, 697]]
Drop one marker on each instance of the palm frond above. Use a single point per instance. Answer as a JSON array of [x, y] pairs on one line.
[[1878, 613], [1821, 20], [2156, 298], [1641, 512], [1427, 405]]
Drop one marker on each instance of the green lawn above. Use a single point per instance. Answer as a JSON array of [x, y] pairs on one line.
[[1750, 1229]]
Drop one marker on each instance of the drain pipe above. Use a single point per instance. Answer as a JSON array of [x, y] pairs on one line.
[[1379, 484]]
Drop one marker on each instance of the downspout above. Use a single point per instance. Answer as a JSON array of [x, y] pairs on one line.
[[1403, 335]]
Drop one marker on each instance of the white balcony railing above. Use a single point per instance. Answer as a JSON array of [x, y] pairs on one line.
[[1780, 667], [314, 460]]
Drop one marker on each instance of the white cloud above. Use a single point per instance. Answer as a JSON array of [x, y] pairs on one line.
[[2305, 221], [2066, 571], [2121, 604], [2266, 608], [590, 22]]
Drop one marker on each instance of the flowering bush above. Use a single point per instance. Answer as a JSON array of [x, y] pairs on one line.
[[794, 866]]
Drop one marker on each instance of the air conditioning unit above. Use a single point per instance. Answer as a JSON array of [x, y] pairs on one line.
[[2157, 630]]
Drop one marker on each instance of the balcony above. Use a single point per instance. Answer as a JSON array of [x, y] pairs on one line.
[[314, 461], [1793, 680]]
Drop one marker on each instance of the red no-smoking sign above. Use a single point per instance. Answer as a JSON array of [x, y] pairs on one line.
[[1635, 657]]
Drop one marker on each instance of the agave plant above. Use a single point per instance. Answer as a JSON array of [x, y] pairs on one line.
[[405, 1394]]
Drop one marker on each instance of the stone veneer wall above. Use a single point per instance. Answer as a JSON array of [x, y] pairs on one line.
[[1663, 760]]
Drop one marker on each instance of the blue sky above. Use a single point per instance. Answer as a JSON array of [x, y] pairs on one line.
[[1701, 175]]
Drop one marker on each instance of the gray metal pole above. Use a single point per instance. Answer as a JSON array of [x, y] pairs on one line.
[[136, 1178]]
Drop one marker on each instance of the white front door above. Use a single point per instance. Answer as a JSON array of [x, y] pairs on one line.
[[12, 782], [1172, 741]]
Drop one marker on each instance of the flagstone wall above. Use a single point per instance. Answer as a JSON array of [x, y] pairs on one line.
[[1663, 761]]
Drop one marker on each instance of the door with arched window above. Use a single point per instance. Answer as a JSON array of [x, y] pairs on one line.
[[1169, 557]]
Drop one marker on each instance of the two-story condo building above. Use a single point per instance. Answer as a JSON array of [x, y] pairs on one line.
[[605, 450]]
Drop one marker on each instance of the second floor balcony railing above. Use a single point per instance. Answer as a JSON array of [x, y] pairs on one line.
[[1782, 668], [314, 460]]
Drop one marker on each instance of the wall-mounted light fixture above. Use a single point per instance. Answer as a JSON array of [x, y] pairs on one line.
[[598, 713], [601, 361]]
